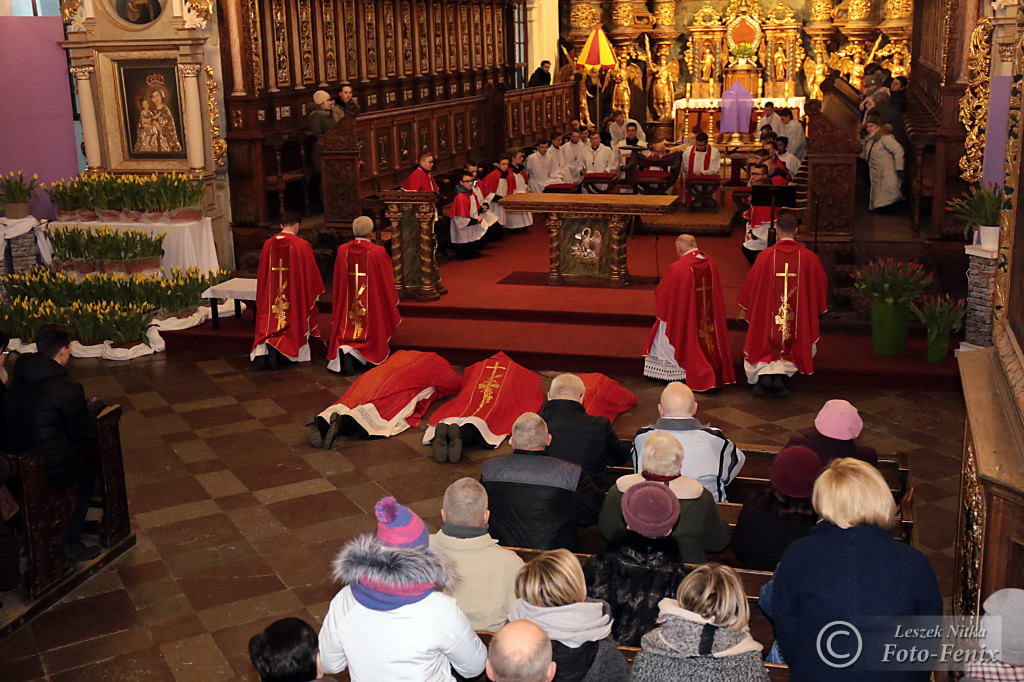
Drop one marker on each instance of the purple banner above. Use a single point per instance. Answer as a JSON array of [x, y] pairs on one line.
[[995, 131]]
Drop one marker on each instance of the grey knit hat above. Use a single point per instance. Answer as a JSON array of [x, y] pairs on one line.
[[1003, 623]]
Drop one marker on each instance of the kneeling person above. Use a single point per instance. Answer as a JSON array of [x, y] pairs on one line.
[[467, 228]]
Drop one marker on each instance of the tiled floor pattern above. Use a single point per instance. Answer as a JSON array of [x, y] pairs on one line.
[[238, 518]]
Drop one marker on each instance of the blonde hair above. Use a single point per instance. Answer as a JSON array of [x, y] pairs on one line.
[[553, 579], [662, 454], [715, 592], [851, 493]]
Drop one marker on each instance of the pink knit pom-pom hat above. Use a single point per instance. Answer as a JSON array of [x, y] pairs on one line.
[[399, 526]]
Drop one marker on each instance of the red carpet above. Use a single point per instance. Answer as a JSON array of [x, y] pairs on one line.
[[498, 302]]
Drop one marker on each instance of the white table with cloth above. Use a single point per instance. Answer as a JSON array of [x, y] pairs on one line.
[[187, 245]]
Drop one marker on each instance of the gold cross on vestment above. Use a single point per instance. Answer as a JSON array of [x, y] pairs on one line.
[[703, 291], [356, 310], [489, 384], [785, 314], [280, 307]]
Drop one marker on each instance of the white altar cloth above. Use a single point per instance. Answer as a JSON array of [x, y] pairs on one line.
[[187, 245]]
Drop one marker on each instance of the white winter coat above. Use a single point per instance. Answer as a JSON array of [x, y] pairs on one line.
[[884, 155]]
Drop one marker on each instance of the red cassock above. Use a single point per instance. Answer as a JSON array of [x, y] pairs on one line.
[[494, 394], [287, 287], [689, 301], [395, 394], [420, 181], [784, 293], [605, 397], [365, 303]]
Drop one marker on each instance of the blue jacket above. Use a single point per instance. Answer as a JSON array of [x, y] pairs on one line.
[[851, 575]]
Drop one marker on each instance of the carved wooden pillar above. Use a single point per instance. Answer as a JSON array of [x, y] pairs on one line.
[[394, 214], [87, 111], [554, 224], [618, 252], [193, 118]]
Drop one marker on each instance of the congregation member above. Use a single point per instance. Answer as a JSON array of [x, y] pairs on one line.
[[322, 117], [364, 305], [836, 427], [346, 99], [286, 651], [771, 522], [495, 392], [617, 129], [43, 406], [544, 167], [699, 528], [1003, 628], [499, 183], [770, 119], [711, 458], [898, 93], [588, 441], [782, 154], [392, 620], [701, 158], [759, 218], [849, 568], [885, 158], [783, 295], [537, 501], [793, 130], [690, 341], [387, 399], [572, 155], [599, 160], [540, 77], [642, 566], [488, 572], [520, 652], [704, 633], [288, 285], [552, 593], [422, 177], [466, 217]]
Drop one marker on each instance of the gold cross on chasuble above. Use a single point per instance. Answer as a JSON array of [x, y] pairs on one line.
[[280, 306], [487, 386], [786, 314], [705, 313], [357, 308]]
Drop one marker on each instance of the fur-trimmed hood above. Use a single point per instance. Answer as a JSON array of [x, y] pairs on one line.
[[366, 557]]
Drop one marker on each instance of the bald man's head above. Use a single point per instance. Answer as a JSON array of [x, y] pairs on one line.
[[567, 387], [520, 652], [684, 243], [677, 401]]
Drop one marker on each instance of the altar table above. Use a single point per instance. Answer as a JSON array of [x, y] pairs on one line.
[[587, 231], [187, 245]]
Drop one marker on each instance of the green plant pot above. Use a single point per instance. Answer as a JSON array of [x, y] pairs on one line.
[[890, 325], [938, 347]]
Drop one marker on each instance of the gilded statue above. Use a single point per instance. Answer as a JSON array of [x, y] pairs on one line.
[[568, 72], [620, 78], [815, 73], [896, 57], [662, 78], [780, 62], [850, 61], [707, 62]]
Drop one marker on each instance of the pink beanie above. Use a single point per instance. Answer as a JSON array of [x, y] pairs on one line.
[[399, 526], [840, 420], [650, 508]]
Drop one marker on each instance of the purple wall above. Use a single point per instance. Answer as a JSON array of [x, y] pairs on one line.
[[995, 131], [37, 133]]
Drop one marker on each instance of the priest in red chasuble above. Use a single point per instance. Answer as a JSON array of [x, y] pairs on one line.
[[386, 400], [287, 287], [365, 303], [690, 340], [494, 394], [784, 293]]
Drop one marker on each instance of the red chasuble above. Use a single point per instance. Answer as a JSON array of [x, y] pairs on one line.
[[784, 293], [287, 287], [395, 394], [494, 394], [420, 181], [365, 303], [689, 301], [605, 397]]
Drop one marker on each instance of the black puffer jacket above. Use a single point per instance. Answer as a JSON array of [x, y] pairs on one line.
[[43, 405], [633, 575]]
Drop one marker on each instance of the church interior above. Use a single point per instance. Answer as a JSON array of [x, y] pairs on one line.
[[162, 160]]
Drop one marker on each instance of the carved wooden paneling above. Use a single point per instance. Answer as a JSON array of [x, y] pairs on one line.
[[330, 39], [422, 38], [370, 38], [383, 146], [351, 49], [424, 136], [532, 114], [464, 33], [444, 135], [451, 37], [279, 16], [488, 34], [477, 33], [405, 142], [390, 49], [405, 26]]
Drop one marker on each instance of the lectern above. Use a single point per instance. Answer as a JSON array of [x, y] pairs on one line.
[[413, 245]]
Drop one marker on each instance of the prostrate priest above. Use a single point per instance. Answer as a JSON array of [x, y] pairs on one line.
[[287, 287], [783, 295], [495, 392], [690, 340], [618, 126], [701, 158], [599, 160], [572, 155], [422, 178], [544, 167], [386, 400], [793, 131], [365, 310], [466, 214]]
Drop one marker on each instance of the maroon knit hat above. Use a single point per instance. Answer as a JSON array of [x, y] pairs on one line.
[[650, 509], [794, 471]]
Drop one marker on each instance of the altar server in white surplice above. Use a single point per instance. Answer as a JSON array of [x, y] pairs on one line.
[[487, 217], [618, 128], [544, 167], [555, 148], [771, 119], [701, 158], [793, 130], [517, 167], [572, 155]]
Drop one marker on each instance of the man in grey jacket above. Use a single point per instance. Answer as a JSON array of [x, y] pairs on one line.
[[710, 457]]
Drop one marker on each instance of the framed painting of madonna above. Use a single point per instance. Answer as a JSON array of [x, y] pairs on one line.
[[151, 110]]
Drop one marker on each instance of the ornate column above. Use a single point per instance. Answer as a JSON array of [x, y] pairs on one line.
[[234, 22], [974, 111], [87, 111], [583, 15], [820, 30], [859, 31], [898, 27], [193, 118]]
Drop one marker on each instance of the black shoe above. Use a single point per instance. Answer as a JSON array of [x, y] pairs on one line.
[[272, 358], [439, 446], [455, 443], [781, 389], [332, 431], [315, 431], [348, 364], [81, 552], [763, 387]]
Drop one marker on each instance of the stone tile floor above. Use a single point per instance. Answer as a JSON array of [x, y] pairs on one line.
[[238, 518]]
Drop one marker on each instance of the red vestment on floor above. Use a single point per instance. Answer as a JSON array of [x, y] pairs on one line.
[[689, 301], [365, 303], [395, 394], [420, 181], [784, 293], [605, 397], [494, 394], [287, 287]]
